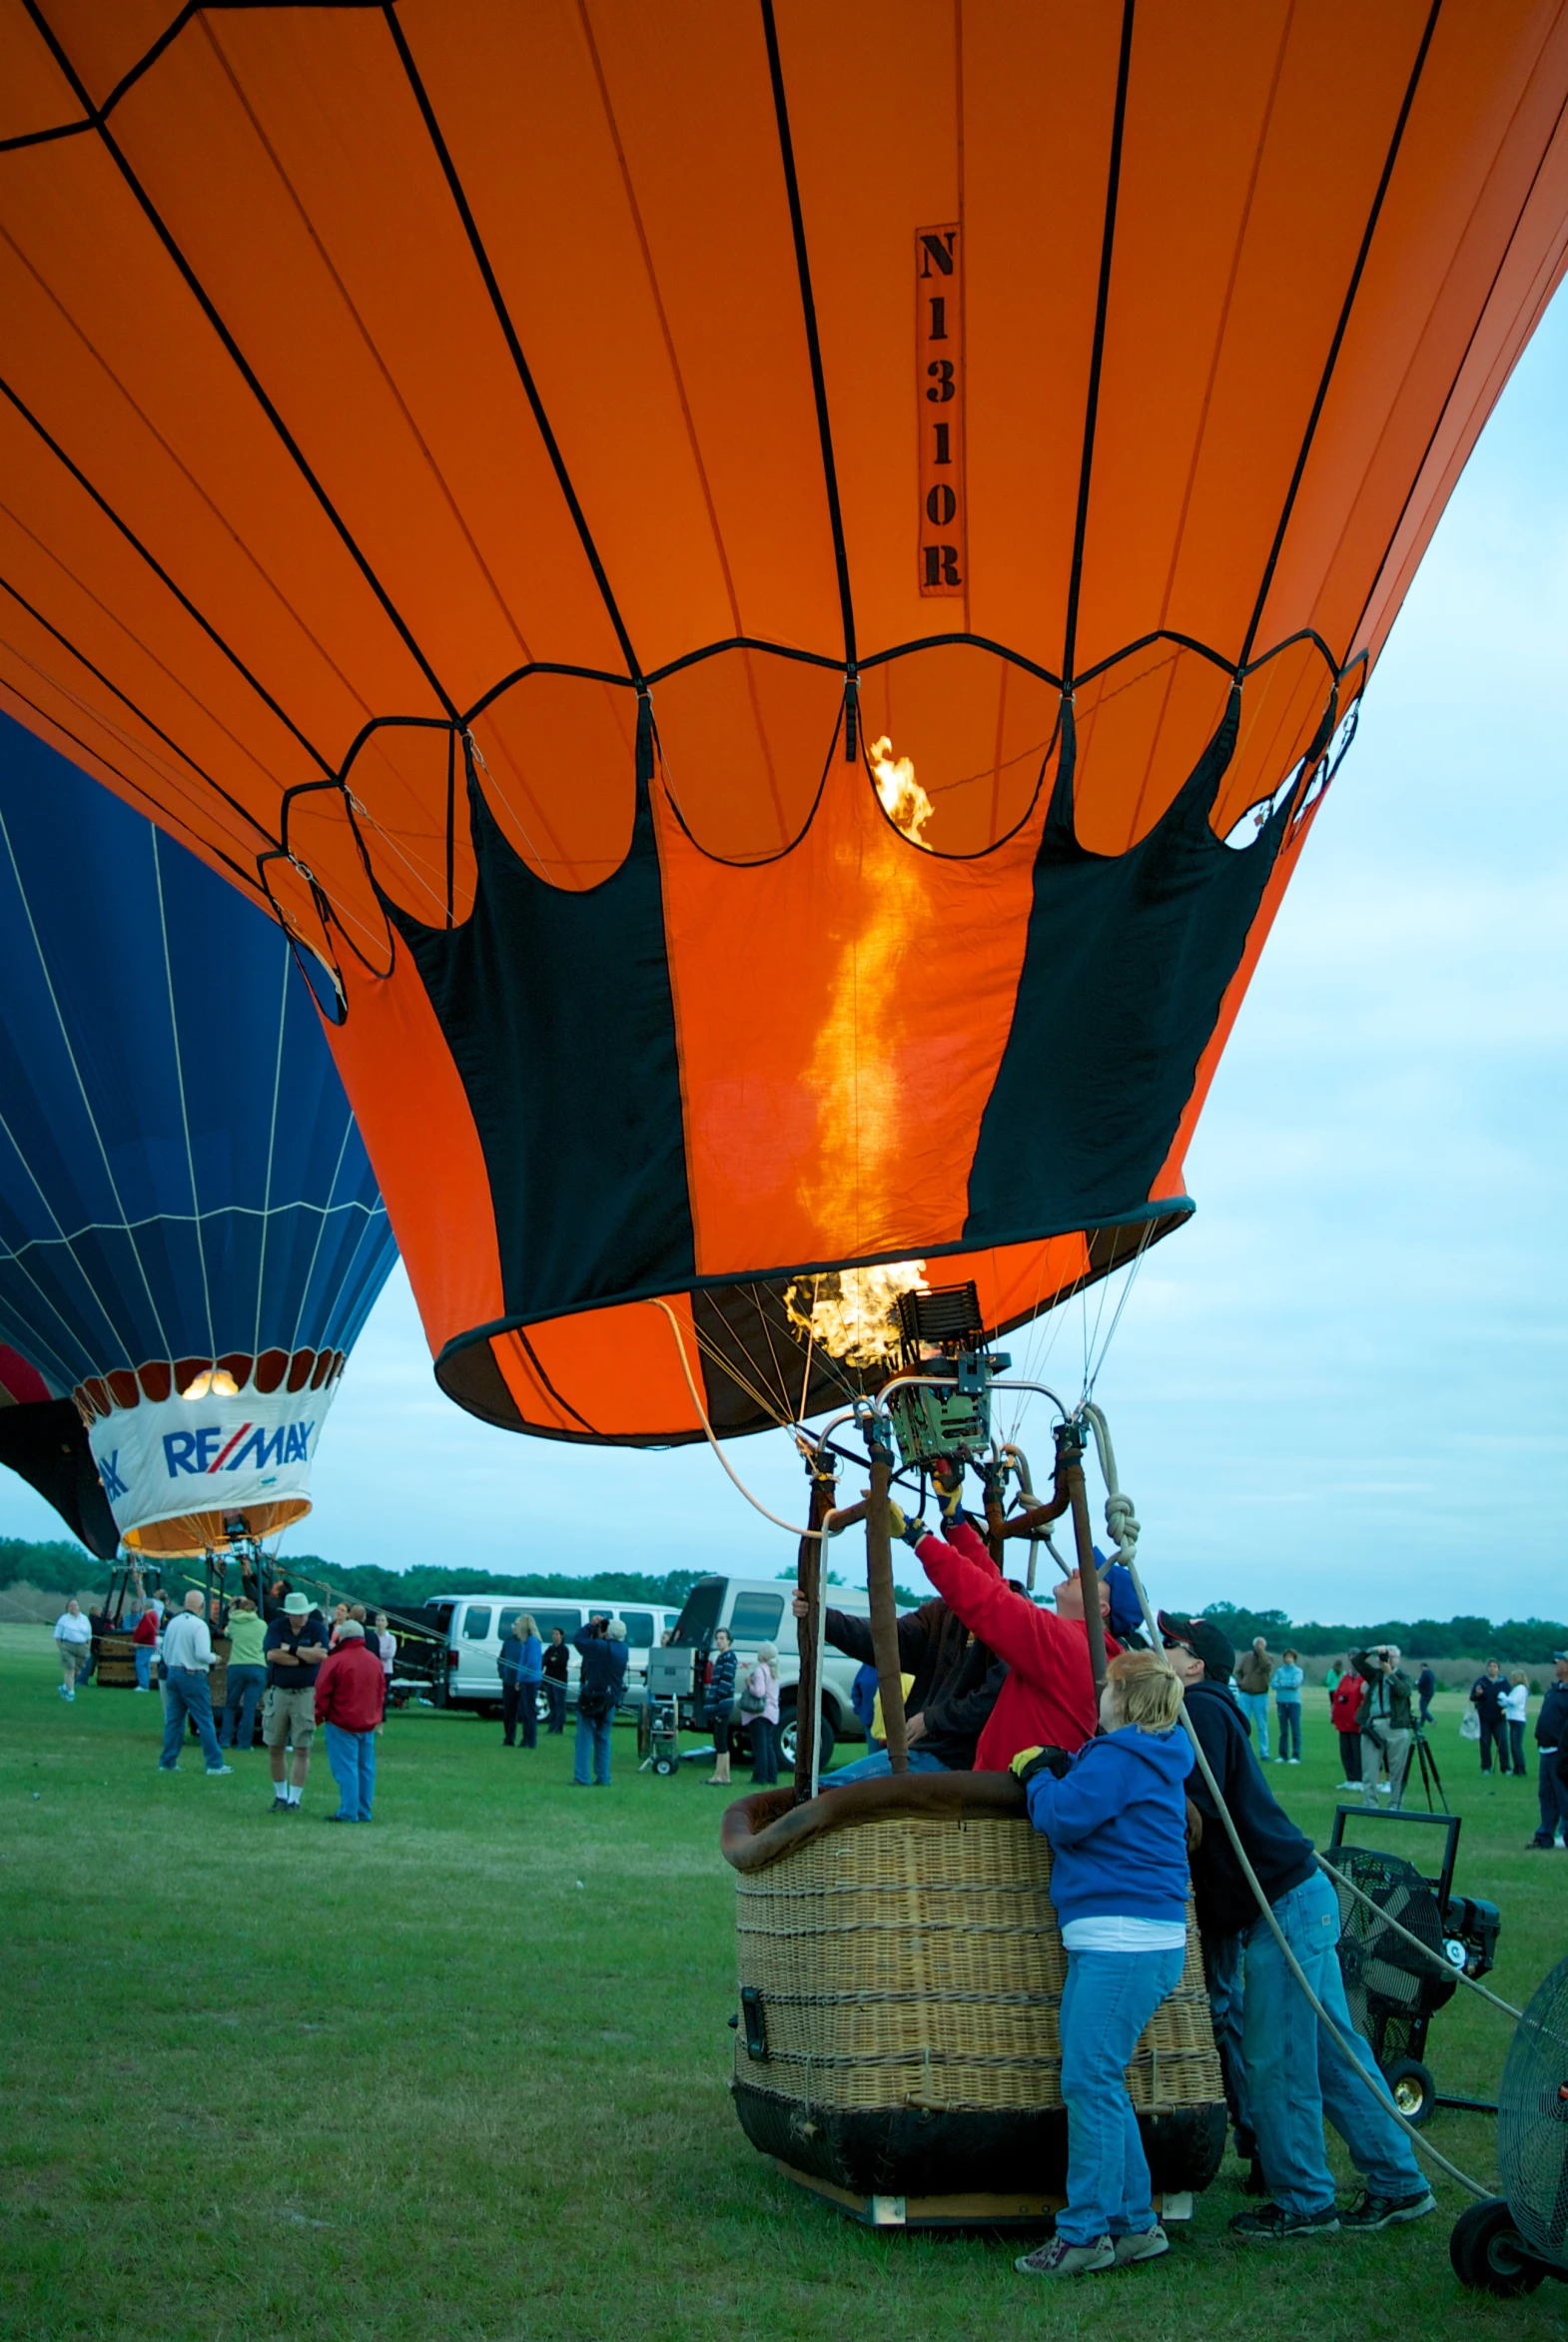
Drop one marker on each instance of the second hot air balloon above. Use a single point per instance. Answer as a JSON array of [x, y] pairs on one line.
[[190, 1236]]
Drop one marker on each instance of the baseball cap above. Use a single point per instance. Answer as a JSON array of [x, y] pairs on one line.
[[297, 1605], [350, 1631], [1204, 1640]]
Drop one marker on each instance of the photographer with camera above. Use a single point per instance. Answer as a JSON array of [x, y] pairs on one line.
[[600, 1682], [1384, 1721]]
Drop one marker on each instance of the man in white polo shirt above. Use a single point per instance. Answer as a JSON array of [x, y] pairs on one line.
[[188, 1654]]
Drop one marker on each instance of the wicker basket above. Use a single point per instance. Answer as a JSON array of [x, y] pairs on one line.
[[901, 1974]]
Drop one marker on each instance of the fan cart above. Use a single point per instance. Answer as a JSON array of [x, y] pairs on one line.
[[1511, 2243], [1393, 1993]]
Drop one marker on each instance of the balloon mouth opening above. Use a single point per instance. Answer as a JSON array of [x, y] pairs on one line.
[[544, 1372], [186, 1533]]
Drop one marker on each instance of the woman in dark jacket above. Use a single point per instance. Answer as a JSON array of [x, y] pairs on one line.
[[557, 1660], [719, 1704]]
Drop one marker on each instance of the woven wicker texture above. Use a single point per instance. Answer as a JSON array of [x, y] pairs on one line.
[[917, 1962]]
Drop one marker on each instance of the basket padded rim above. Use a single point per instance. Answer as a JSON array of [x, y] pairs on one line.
[[757, 1829]]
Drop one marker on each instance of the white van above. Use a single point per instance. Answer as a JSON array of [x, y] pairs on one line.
[[758, 1610], [476, 1625]]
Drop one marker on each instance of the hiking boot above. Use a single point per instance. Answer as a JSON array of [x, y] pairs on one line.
[[1371, 2212], [1273, 2224], [1146, 2245], [1060, 2259]]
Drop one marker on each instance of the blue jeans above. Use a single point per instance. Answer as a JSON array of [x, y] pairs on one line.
[[143, 1655], [1107, 2001], [1552, 1794], [1294, 2074], [185, 1694], [556, 1693], [878, 1767], [1254, 1706], [241, 1693], [352, 1756], [1289, 1728], [592, 1735], [1223, 1973]]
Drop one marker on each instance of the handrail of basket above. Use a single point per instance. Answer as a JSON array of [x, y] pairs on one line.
[[757, 1829]]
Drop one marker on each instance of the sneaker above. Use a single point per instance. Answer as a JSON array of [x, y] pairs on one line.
[[1371, 2212], [168, 1768], [217, 1771], [1273, 2224], [1060, 2259], [1383, 1788], [280, 1805], [336, 1817], [1147, 2245]]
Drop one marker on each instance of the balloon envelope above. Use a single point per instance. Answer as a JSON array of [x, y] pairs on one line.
[[776, 589], [190, 1232]]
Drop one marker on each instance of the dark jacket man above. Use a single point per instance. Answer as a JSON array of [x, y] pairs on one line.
[[957, 1677], [1386, 1699], [1275, 1847], [603, 1672], [1551, 1725]]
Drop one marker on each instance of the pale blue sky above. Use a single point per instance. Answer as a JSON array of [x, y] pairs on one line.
[[1340, 1388]]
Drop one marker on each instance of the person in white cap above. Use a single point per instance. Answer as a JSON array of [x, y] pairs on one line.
[[296, 1648]]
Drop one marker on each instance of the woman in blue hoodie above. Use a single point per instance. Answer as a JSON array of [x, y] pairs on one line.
[[1115, 1816]]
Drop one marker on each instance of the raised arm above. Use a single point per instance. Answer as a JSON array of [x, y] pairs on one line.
[[1031, 1641]]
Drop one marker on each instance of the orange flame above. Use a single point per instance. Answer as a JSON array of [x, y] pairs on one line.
[[849, 1312], [212, 1382], [904, 801]]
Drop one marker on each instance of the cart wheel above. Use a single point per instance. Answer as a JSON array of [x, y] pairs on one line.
[[1489, 2254], [1413, 2090], [664, 1766]]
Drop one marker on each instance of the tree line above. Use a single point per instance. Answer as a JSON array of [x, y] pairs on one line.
[[1528, 1641], [64, 1568]]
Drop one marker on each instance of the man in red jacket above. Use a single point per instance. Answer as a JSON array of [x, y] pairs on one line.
[[1047, 1699], [351, 1699], [1344, 1708]]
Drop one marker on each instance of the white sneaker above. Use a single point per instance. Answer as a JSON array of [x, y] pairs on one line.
[[1060, 2259], [1147, 2245], [1383, 1788]]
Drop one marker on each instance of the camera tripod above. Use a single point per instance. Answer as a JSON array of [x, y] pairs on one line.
[[1420, 1753]]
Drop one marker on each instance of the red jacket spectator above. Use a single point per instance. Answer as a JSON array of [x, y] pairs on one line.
[[1345, 1704], [144, 1630], [1047, 1699], [351, 1688]]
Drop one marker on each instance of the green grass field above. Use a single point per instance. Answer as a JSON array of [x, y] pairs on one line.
[[464, 2074]]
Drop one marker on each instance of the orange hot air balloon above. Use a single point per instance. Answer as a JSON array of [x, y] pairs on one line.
[[774, 588]]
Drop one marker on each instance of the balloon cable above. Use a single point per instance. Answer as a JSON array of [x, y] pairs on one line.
[[702, 1413]]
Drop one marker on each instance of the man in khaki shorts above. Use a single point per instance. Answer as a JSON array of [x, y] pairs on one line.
[[295, 1649]]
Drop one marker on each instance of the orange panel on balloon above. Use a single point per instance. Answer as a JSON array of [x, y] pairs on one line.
[[840, 1014], [558, 772], [744, 740]]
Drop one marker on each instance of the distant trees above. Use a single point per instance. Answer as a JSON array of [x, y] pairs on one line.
[[64, 1568], [1526, 1641]]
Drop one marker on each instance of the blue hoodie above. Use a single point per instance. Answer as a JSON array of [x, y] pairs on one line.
[[1117, 1821]]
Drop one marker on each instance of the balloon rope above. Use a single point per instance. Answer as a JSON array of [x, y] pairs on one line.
[[696, 1399]]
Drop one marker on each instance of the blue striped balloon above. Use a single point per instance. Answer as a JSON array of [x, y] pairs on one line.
[[190, 1235]]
